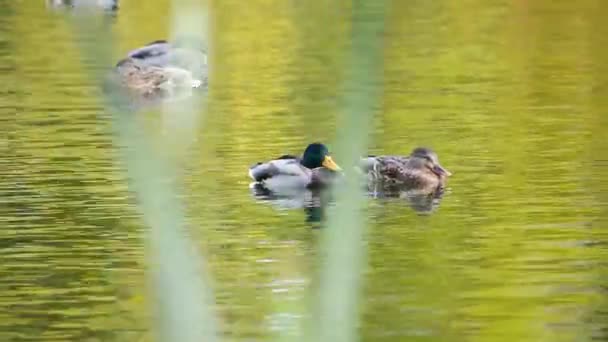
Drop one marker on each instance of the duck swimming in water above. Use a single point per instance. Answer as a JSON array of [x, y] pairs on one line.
[[151, 81], [314, 169], [418, 171], [160, 70], [111, 5], [161, 53]]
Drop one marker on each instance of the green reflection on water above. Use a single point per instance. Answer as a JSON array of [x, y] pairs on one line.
[[511, 94]]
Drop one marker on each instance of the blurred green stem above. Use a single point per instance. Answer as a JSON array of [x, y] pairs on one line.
[[183, 296], [342, 243]]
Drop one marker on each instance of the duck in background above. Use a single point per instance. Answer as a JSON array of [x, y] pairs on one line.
[[154, 82], [110, 5], [161, 53], [160, 70]]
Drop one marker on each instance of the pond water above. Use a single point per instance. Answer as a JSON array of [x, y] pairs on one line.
[[511, 94]]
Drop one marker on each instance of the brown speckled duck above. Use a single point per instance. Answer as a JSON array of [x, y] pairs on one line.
[[152, 81], [418, 171], [160, 69]]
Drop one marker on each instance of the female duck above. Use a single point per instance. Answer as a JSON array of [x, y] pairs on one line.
[[420, 170], [151, 81], [159, 69], [315, 168]]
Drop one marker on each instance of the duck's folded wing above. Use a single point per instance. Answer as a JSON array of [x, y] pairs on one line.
[[152, 49], [384, 164], [153, 54], [283, 166]]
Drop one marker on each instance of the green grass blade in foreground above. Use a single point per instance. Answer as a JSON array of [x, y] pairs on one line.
[[342, 243], [190, 21], [189, 28], [183, 296]]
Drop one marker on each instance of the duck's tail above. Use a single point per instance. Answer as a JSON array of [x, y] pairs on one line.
[[260, 171]]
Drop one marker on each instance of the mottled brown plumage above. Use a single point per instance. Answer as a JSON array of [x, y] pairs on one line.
[[161, 70], [152, 81], [420, 171]]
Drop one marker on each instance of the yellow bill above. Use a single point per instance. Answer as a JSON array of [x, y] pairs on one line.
[[330, 164]]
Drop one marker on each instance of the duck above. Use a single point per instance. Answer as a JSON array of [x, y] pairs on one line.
[[315, 169], [110, 5], [161, 70], [151, 81], [420, 171], [161, 53]]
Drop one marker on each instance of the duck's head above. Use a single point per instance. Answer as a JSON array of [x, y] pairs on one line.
[[317, 155], [428, 159]]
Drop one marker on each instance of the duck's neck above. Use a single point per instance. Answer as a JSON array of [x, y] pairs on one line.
[[307, 164]]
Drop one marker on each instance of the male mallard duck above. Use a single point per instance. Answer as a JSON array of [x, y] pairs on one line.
[[419, 171], [315, 168]]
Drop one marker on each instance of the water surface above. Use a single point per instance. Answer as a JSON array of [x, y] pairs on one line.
[[511, 94]]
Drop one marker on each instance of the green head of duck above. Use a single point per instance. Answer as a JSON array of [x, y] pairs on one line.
[[317, 155]]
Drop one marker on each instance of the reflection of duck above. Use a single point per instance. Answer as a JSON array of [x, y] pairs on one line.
[[160, 70], [104, 4], [421, 202], [313, 201], [420, 171], [314, 169]]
